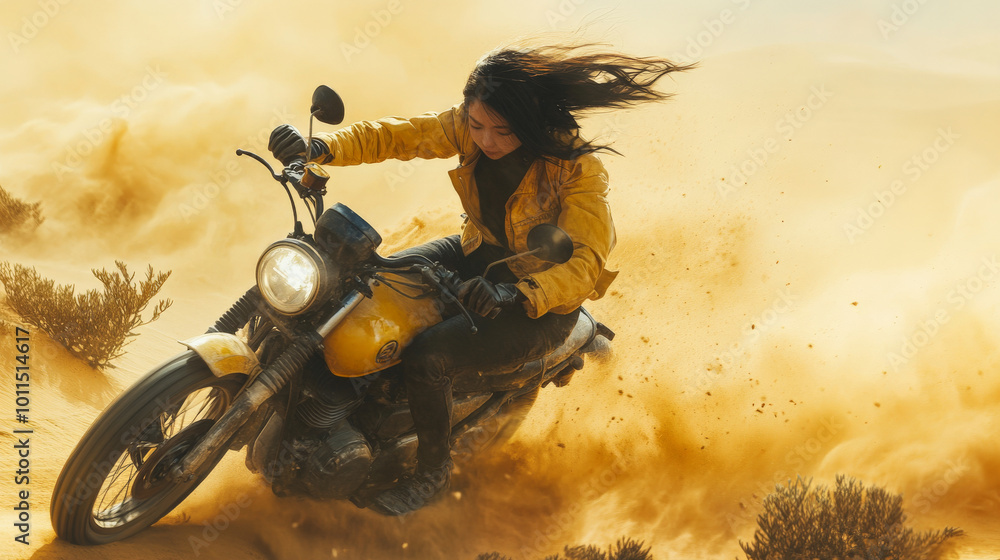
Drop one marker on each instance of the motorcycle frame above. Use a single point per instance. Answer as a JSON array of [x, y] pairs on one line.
[[260, 387]]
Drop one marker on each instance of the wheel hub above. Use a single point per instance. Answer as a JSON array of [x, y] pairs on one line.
[[155, 472]]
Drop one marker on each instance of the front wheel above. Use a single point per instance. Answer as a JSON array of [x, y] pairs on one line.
[[116, 482]]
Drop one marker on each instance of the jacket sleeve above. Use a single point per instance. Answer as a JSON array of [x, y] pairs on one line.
[[427, 136], [585, 215]]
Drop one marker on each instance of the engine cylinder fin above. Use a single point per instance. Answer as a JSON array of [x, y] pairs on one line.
[[318, 414], [328, 399]]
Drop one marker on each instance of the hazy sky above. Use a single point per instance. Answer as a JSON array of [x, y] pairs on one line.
[[111, 37]]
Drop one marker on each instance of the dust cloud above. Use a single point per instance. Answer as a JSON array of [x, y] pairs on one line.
[[807, 241]]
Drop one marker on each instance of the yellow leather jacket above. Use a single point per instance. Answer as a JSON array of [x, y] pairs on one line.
[[568, 193]]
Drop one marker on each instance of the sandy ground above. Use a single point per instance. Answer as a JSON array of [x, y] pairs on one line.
[[809, 257]]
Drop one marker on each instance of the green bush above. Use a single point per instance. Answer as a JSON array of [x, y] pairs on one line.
[[16, 214], [848, 522], [94, 326]]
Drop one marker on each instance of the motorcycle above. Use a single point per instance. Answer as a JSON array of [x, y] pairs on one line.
[[304, 372]]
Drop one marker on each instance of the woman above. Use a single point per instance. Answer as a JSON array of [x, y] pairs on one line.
[[521, 163]]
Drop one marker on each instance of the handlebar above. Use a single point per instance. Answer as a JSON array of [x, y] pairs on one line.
[[401, 262], [308, 180]]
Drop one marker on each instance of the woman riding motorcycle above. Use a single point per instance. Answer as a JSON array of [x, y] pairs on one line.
[[521, 163]]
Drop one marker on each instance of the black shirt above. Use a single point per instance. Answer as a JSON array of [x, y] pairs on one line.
[[496, 180]]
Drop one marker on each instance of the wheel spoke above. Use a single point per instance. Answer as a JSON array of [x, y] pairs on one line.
[[118, 473], [124, 487], [117, 504]]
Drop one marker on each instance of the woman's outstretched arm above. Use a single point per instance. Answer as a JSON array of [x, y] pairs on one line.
[[427, 136]]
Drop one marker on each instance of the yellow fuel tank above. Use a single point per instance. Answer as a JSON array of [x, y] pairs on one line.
[[373, 336]]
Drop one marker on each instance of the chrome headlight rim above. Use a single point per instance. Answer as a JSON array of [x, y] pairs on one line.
[[320, 267]]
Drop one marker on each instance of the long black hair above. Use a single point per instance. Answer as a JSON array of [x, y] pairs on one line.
[[541, 91]]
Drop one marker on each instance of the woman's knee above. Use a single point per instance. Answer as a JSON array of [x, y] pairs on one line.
[[424, 360]]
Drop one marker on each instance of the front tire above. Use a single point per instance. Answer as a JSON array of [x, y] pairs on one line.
[[115, 482]]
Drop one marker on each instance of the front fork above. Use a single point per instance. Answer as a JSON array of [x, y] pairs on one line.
[[225, 354]]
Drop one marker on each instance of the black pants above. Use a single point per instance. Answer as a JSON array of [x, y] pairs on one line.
[[449, 350]]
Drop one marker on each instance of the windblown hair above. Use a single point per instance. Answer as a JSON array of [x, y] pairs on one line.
[[541, 91]]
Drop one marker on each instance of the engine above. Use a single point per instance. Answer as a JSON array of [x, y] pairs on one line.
[[339, 463], [316, 452]]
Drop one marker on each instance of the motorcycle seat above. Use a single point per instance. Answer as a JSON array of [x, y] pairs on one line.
[[531, 372]]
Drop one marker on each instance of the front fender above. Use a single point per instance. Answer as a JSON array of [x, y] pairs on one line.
[[224, 353]]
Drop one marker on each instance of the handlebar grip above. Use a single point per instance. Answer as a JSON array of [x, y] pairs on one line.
[[295, 168]]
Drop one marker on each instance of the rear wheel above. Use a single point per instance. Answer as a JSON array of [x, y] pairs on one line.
[[116, 482]]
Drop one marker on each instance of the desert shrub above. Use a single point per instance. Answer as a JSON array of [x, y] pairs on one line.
[[849, 522], [94, 326], [624, 549], [16, 214]]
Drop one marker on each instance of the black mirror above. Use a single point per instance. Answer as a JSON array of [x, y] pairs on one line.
[[327, 106], [550, 243]]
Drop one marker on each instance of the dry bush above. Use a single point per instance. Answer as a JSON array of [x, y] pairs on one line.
[[848, 522], [16, 214], [94, 326], [624, 549]]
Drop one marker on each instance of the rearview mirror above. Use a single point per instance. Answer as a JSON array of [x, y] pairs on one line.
[[327, 106], [550, 243], [546, 242]]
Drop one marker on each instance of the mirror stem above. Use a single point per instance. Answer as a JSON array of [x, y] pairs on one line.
[[510, 258], [309, 142]]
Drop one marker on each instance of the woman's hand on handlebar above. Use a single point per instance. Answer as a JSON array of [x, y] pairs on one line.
[[486, 298], [287, 144]]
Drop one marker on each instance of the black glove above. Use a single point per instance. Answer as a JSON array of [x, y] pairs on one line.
[[287, 144], [485, 298]]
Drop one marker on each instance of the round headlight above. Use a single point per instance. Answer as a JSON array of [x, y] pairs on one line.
[[290, 275]]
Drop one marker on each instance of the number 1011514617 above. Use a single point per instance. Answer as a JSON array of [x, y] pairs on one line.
[[22, 376]]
